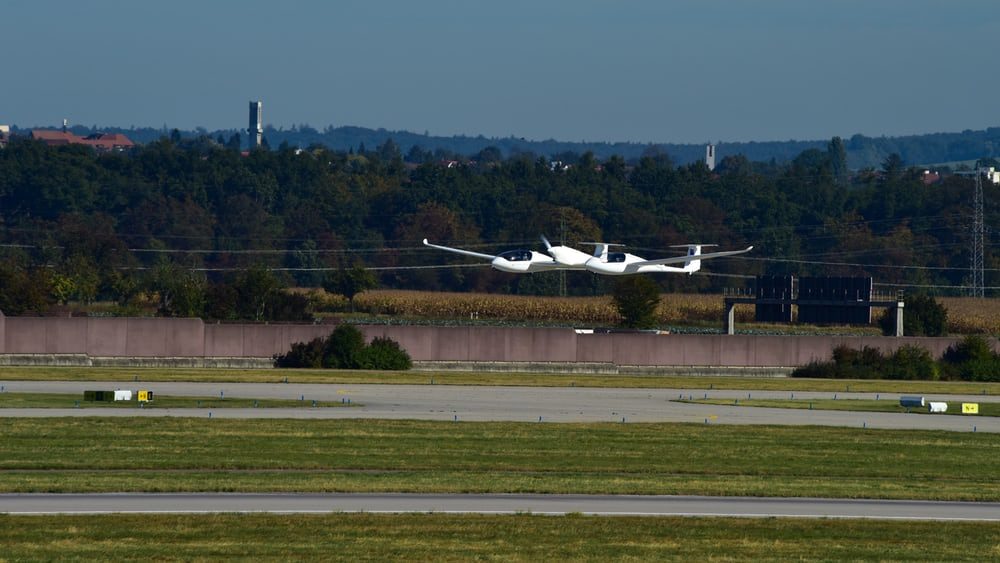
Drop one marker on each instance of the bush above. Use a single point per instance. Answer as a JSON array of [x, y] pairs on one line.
[[911, 362], [971, 359], [345, 349], [302, 355], [384, 354]]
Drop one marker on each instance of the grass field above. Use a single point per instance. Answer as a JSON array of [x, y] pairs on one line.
[[439, 537], [138, 375], [188, 454], [66, 400], [985, 409]]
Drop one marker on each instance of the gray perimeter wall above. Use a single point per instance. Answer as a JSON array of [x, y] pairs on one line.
[[192, 338]]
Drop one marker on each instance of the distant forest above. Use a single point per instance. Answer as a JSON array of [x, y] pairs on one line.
[[197, 223], [862, 152]]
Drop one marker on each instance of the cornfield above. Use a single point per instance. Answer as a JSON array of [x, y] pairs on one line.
[[966, 315], [673, 308]]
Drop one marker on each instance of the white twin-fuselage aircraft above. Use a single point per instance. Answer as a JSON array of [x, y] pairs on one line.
[[601, 262]]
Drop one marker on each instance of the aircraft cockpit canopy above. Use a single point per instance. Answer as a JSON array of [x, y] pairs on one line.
[[516, 255], [616, 257]]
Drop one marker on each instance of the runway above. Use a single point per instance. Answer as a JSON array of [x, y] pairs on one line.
[[519, 404], [603, 505]]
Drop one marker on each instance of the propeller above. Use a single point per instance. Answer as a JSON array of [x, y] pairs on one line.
[[548, 245]]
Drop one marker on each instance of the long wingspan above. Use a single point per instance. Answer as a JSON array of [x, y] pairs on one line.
[[460, 251], [680, 259]]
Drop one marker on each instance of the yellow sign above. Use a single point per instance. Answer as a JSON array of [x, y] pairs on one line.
[[145, 396], [970, 408]]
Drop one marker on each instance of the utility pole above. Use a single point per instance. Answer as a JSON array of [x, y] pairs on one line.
[[978, 230], [562, 273]]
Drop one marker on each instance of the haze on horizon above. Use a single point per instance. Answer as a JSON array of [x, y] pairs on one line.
[[678, 71]]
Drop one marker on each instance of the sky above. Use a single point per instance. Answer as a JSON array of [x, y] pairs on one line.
[[661, 71]]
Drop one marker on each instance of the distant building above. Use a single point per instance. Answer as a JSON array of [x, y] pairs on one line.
[[992, 175], [4, 135], [710, 157], [102, 142], [256, 129]]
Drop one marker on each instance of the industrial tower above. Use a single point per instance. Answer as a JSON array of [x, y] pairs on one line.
[[256, 129]]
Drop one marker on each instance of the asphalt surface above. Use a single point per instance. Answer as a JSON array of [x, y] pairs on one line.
[[605, 505], [523, 404]]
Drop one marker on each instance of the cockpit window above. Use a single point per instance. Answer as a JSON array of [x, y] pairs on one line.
[[616, 257], [516, 255]]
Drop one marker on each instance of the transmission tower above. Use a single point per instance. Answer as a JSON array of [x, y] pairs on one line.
[[978, 229]]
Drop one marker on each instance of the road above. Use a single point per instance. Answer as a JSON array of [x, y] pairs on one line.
[[605, 505], [524, 404]]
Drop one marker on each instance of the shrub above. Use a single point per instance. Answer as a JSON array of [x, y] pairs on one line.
[[384, 354], [302, 355], [911, 362], [345, 349], [970, 348]]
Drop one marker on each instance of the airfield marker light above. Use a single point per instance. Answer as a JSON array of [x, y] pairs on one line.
[[864, 424], [706, 421], [706, 395], [456, 418], [1, 388], [792, 396], [973, 427], [255, 403], [302, 397], [286, 379], [810, 406], [222, 394], [876, 396], [199, 404], [834, 396], [209, 414], [623, 420], [348, 400], [76, 404], [539, 419]]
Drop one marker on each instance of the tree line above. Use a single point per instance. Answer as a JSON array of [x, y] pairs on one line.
[[195, 222]]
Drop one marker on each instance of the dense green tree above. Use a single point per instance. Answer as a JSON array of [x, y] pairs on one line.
[[350, 282], [636, 298]]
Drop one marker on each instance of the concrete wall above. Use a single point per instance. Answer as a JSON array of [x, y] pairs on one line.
[[191, 338]]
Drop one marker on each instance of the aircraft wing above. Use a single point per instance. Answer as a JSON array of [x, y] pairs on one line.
[[681, 259], [460, 251]]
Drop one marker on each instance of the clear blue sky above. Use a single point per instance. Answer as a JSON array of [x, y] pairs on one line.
[[625, 70]]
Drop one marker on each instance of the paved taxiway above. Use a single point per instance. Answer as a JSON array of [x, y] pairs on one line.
[[607, 505], [525, 404]]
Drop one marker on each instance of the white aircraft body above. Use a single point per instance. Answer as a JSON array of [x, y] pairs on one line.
[[513, 261], [601, 262]]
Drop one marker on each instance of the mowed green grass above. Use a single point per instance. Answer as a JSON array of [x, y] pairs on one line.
[[440, 537], [863, 405], [61, 373], [261, 455], [75, 400]]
